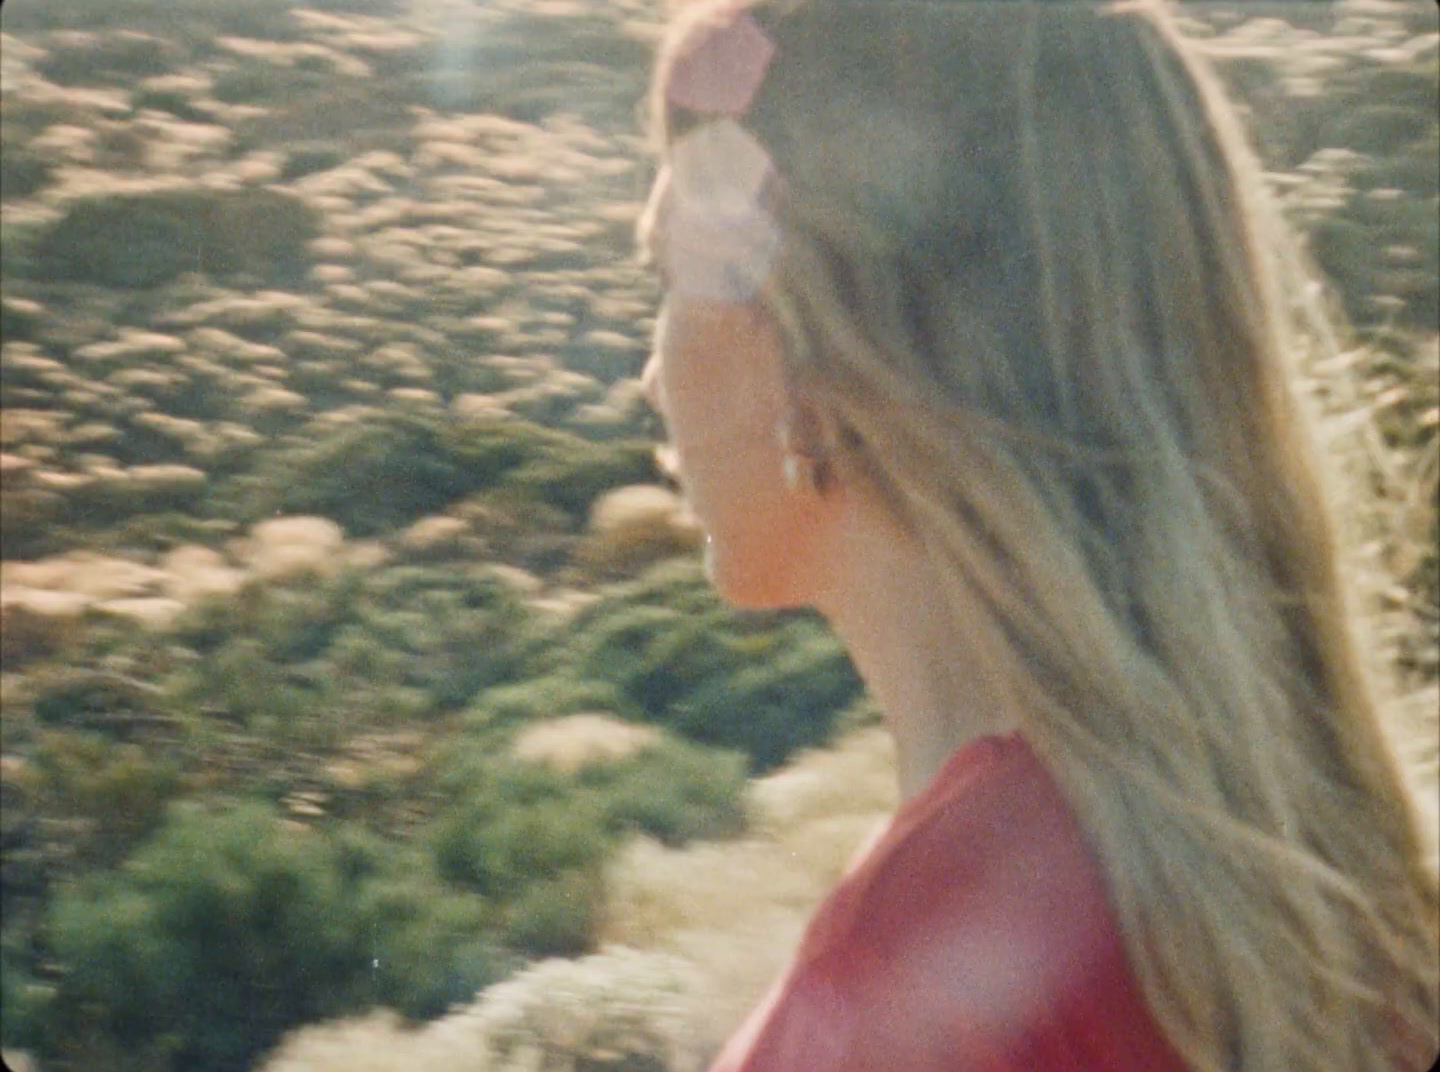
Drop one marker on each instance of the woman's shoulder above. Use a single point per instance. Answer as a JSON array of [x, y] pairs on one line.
[[976, 933], [988, 867]]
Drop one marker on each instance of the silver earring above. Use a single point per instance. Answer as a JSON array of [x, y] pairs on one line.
[[789, 461], [790, 469]]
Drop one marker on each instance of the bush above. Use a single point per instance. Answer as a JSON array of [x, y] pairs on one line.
[[457, 630], [22, 173], [309, 657], [762, 685], [499, 843], [120, 57], [20, 238], [380, 475], [120, 788], [526, 842], [229, 929], [240, 680], [297, 622], [675, 792], [575, 472], [168, 100], [219, 935], [522, 702], [24, 1004], [1383, 129], [198, 21], [81, 698], [258, 83], [774, 708], [558, 916], [308, 158], [533, 841], [145, 239], [617, 1011], [429, 946]]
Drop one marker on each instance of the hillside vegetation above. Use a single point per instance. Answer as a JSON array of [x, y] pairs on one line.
[[364, 705]]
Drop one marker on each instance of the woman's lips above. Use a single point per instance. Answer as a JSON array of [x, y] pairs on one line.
[[667, 460]]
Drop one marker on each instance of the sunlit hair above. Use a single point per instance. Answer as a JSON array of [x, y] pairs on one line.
[[1026, 284]]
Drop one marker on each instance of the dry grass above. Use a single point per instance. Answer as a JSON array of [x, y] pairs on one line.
[[557, 1016], [1384, 488], [1411, 722], [574, 741], [290, 546], [737, 910]]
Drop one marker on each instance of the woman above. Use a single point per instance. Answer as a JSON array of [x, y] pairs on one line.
[[968, 342]]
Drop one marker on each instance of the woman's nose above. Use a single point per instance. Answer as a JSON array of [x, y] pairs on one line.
[[650, 382]]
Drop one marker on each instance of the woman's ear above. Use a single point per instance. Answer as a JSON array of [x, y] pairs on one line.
[[808, 450]]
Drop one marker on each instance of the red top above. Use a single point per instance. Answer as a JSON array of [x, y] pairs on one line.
[[974, 935]]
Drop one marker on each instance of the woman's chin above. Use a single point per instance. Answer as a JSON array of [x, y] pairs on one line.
[[746, 585]]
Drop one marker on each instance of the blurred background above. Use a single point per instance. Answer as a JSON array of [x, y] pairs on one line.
[[364, 705]]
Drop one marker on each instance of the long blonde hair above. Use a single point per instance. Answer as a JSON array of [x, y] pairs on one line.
[[1025, 283]]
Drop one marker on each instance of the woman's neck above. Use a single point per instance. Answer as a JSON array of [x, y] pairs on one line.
[[922, 657]]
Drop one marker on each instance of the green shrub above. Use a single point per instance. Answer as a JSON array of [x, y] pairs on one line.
[[372, 477], [167, 100], [608, 640], [678, 584], [122, 789], [118, 57], [762, 684], [240, 679], [228, 929], [20, 238], [533, 841], [308, 158], [389, 645], [492, 450], [19, 322], [1411, 170], [577, 471], [532, 848], [498, 845], [459, 630], [429, 946], [379, 475], [198, 21], [77, 697], [550, 696], [24, 1005], [1408, 112], [297, 622], [558, 916], [360, 654], [160, 531], [257, 83], [675, 792], [670, 663], [145, 239], [22, 173], [217, 937], [773, 709]]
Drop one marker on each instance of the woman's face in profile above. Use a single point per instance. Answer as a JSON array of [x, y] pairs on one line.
[[715, 376]]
